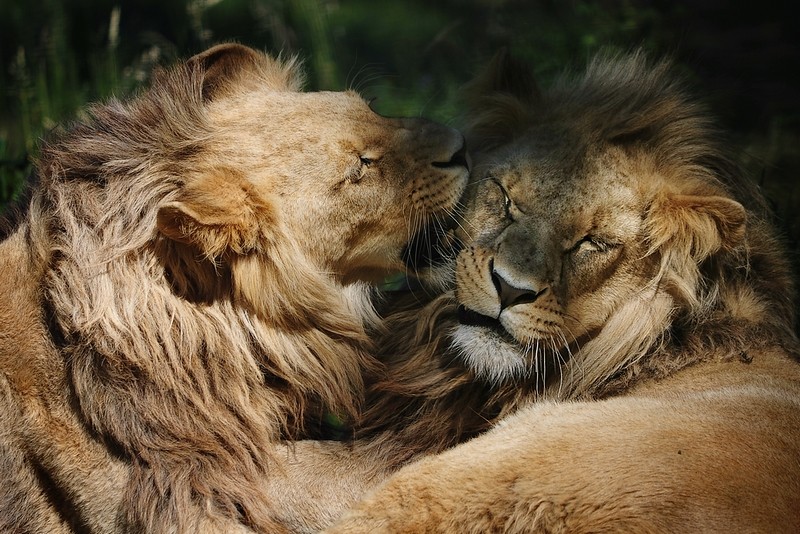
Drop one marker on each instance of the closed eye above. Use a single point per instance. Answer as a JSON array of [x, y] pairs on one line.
[[507, 203], [359, 169], [355, 172], [591, 243]]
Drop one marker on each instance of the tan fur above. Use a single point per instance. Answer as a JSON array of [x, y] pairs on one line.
[[185, 286], [634, 358]]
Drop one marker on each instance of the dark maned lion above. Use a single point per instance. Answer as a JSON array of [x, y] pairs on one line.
[[621, 323], [185, 283]]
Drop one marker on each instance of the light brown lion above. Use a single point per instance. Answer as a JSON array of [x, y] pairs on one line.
[[622, 319], [184, 286]]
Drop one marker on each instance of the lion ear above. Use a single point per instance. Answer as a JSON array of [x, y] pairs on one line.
[[222, 65], [696, 224], [217, 213]]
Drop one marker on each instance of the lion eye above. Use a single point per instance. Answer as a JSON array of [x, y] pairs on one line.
[[589, 245], [355, 173], [358, 170], [592, 244], [507, 203]]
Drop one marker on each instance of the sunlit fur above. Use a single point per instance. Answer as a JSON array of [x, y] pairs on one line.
[[184, 287]]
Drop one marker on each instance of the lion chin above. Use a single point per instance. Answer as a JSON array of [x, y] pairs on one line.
[[618, 351], [488, 349], [187, 283]]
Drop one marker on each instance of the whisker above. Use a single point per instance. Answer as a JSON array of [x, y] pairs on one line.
[[529, 354], [365, 75], [573, 336], [460, 223], [541, 359]]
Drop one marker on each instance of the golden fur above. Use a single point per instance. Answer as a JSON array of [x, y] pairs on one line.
[[622, 324], [184, 286]]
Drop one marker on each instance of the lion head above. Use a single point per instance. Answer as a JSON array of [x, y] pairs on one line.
[[354, 190], [606, 223]]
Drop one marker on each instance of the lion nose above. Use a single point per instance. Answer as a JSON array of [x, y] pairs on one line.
[[511, 295], [458, 159]]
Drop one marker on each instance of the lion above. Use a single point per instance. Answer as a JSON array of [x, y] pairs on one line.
[[189, 279], [618, 352]]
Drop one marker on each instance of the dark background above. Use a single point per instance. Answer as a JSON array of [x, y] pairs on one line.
[[742, 57]]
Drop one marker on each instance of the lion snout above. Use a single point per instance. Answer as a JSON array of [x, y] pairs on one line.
[[457, 160]]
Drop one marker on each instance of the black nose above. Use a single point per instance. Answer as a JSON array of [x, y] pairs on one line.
[[510, 295]]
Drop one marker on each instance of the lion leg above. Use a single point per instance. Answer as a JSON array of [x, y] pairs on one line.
[[704, 463]]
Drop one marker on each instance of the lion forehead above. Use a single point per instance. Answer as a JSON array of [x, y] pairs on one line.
[[562, 196]]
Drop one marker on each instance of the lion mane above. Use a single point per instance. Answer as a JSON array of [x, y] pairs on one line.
[[162, 327], [722, 285]]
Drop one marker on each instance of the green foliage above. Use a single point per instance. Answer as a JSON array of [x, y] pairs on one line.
[[412, 55]]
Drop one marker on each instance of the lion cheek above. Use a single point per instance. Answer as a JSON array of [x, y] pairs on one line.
[[529, 324]]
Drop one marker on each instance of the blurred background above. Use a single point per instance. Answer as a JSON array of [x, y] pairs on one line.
[[413, 55]]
